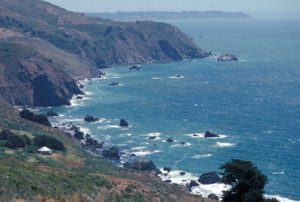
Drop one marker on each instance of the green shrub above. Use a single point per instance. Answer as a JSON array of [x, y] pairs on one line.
[[50, 142], [4, 134], [15, 142]]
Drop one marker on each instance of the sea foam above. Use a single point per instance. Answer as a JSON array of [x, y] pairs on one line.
[[224, 144]]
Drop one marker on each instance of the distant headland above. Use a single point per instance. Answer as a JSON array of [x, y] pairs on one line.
[[168, 15]]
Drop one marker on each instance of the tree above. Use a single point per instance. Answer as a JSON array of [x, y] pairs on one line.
[[247, 182]]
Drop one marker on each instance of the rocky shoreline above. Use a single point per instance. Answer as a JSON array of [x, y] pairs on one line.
[[130, 160]]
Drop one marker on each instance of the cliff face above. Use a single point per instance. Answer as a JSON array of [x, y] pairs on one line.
[[55, 46], [28, 78]]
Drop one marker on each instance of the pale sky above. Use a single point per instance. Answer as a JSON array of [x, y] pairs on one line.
[[179, 5]]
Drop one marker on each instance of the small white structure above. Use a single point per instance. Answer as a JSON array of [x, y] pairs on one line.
[[45, 150]]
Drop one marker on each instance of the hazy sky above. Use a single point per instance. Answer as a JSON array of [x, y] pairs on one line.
[[179, 5]]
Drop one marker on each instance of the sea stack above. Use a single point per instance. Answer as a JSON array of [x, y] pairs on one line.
[[227, 57], [124, 123]]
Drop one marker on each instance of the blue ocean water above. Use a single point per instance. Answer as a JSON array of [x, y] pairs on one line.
[[254, 103]]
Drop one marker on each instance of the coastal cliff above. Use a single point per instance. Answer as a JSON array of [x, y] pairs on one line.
[[43, 45]]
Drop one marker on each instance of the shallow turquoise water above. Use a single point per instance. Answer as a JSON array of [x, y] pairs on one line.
[[255, 103]]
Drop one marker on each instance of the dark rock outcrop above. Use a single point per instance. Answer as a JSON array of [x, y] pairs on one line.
[[93, 144], [209, 134], [79, 135], [213, 197], [51, 114], [167, 169], [192, 183], [111, 153], [124, 123], [113, 84], [38, 118], [135, 67], [170, 140], [89, 118], [227, 57], [210, 178], [142, 165]]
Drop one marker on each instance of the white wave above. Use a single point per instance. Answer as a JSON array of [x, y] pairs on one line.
[[176, 177], [145, 152], [268, 132], [278, 173], [125, 135], [111, 76], [155, 134], [176, 77], [74, 102], [106, 127], [85, 130], [156, 78], [88, 93], [187, 144], [137, 148], [101, 120], [281, 199], [201, 156], [69, 120], [224, 144], [202, 135], [204, 190]]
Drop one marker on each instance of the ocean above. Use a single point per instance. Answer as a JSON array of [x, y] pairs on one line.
[[254, 104]]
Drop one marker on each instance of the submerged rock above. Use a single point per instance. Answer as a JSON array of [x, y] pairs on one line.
[[170, 140], [79, 135], [192, 183], [135, 67], [209, 134], [89, 118], [167, 169], [227, 57], [124, 123], [213, 197], [94, 144], [113, 84], [74, 128], [142, 165], [209, 178], [111, 153], [51, 114]]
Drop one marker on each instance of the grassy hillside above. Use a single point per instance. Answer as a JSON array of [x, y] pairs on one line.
[[70, 174]]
